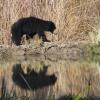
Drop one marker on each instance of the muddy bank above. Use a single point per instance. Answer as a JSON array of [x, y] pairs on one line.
[[50, 50]]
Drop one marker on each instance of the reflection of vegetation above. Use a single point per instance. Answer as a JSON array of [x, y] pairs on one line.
[[5, 95], [67, 97], [37, 65], [70, 97], [80, 95]]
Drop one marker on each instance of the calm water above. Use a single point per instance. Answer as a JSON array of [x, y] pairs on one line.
[[39, 78]]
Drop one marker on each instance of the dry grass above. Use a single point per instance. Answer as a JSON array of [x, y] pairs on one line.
[[73, 18]]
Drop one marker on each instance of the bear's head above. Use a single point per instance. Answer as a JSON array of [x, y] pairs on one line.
[[52, 27], [16, 39]]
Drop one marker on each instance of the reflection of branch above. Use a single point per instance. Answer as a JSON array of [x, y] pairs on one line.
[[25, 81]]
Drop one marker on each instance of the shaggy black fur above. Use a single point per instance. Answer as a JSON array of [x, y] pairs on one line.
[[30, 26]]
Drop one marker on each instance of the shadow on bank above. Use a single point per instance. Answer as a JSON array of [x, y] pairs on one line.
[[32, 80]]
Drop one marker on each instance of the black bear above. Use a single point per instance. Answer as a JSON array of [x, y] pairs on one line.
[[31, 26]]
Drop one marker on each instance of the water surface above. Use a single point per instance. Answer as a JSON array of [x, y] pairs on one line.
[[39, 78]]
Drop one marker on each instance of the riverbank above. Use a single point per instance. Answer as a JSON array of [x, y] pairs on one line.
[[51, 50]]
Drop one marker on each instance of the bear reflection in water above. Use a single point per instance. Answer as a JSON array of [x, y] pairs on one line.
[[32, 80]]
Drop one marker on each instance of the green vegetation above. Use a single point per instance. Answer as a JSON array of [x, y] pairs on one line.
[[95, 49]]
